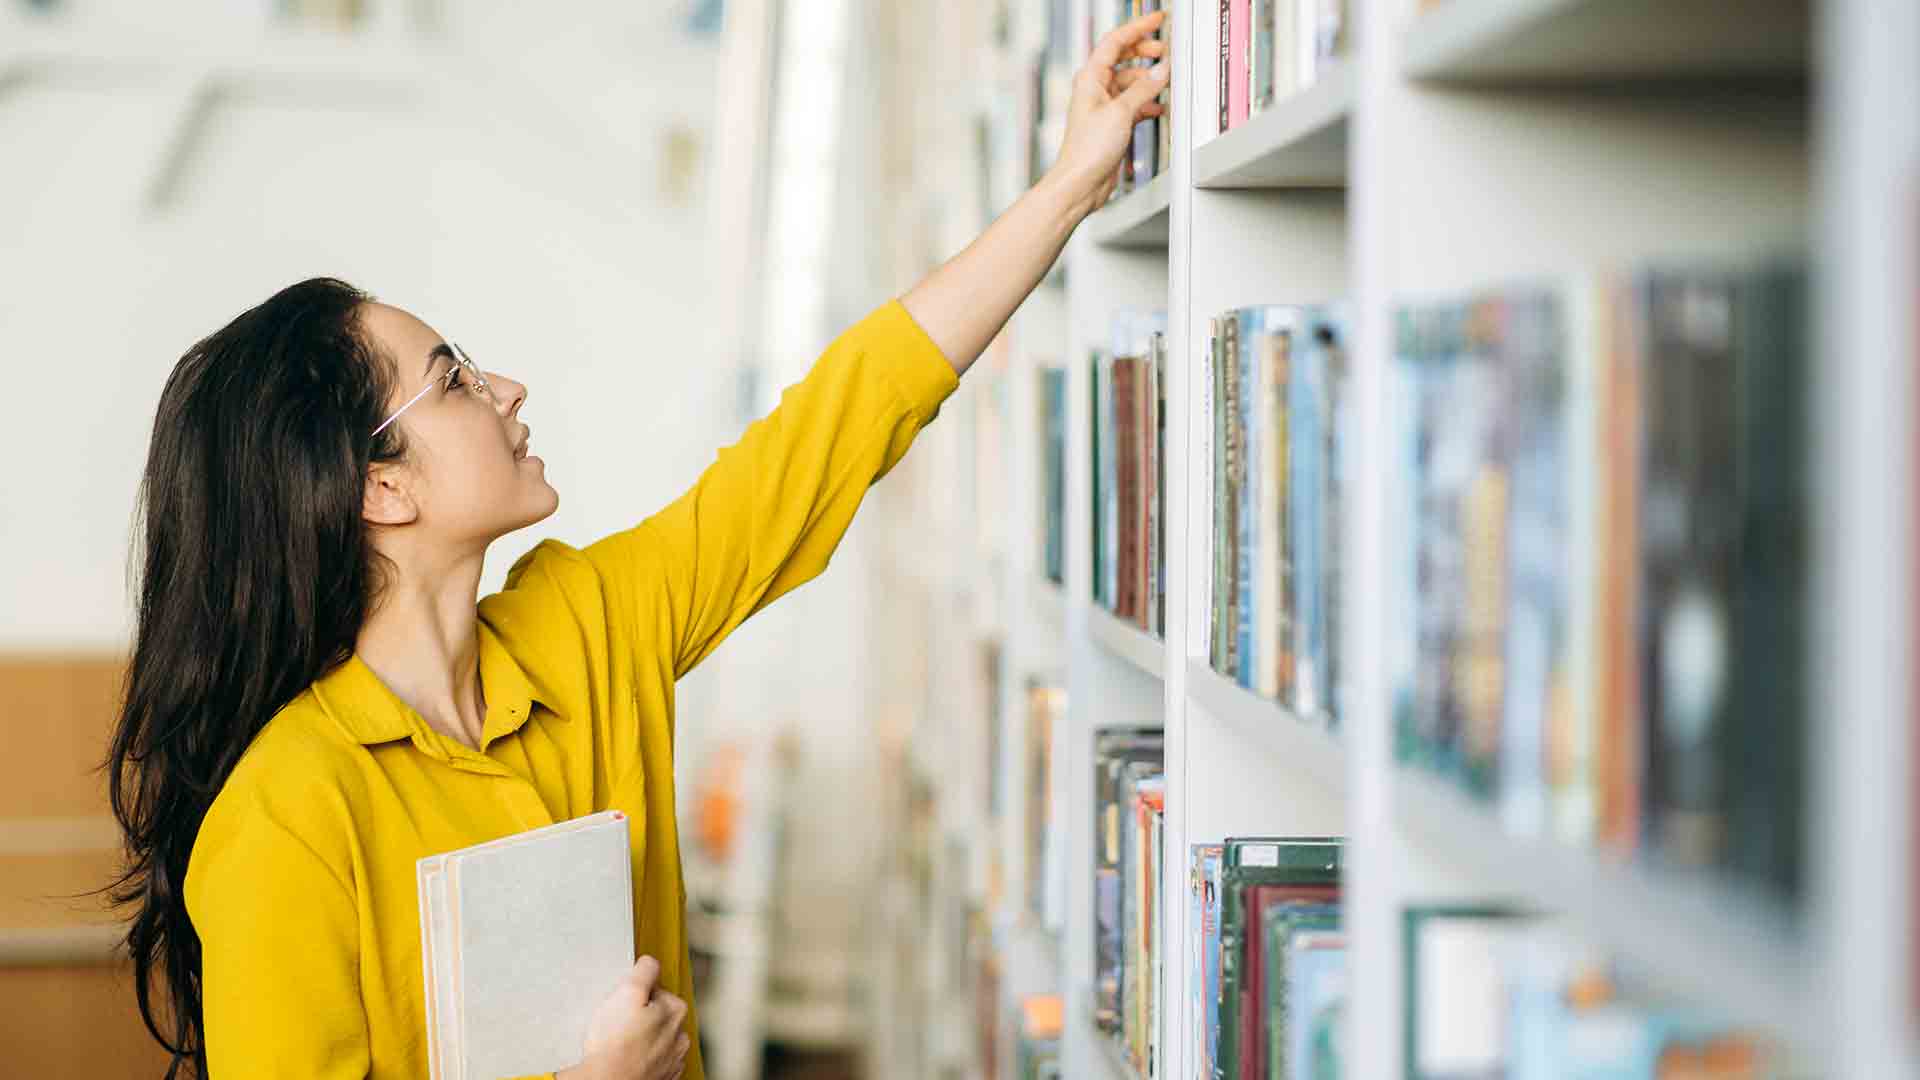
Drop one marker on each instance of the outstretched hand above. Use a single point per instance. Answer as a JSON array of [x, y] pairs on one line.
[[1106, 105]]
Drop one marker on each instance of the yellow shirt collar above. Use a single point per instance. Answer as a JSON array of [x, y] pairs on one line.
[[372, 713]]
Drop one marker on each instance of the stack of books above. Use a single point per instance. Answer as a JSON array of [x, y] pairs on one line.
[[1494, 992], [1271, 49], [1601, 560], [1267, 967], [1129, 797], [1277, 377], [1129, 472]]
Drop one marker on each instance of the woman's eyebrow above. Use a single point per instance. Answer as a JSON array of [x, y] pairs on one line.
[[439, 351]]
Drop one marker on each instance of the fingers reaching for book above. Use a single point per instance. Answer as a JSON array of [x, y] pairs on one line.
[[1128, 41]]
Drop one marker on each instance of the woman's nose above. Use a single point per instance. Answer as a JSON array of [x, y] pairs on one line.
[[509, 395]]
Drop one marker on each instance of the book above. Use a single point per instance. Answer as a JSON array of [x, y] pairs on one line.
[[1122, 757], [1497, 992], [1203, 960], [521, 939], [1053, 475], [1265, 1033], [1305, 869], [1314, 963]]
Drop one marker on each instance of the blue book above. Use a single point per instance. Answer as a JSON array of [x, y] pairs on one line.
[[1252, 324], [1204, 980], [1316, 982], [1306, 426]]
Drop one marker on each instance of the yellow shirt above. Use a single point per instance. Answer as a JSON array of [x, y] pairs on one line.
[[301, 882]]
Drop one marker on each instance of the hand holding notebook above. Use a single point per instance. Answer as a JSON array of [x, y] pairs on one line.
[[527, 951]]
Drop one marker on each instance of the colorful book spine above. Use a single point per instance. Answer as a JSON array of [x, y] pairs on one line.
[[1241, 37], [1537, 663]]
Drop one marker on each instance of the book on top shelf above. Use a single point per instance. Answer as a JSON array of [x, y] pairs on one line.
[[1273, 49]]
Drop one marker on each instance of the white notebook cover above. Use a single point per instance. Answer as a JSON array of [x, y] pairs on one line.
[[521, 939]]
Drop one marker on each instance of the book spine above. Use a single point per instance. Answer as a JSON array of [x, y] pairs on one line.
[[1571, 728], [1260, 55], [1245, 414], [1230, 527], [1241, 34], [1533, 367], [1224, 73], [1216, 510], [1306, 513], [1761, 762], [1281, 660], [1690, 526], [1618, 752]]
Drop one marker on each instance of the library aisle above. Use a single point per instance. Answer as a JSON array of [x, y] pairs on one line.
[[1429, 580], [1425, 589]]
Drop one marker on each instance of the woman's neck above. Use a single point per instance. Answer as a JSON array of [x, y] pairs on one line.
[[423, 642]]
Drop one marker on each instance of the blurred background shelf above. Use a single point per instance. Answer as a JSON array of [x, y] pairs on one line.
[[1298, 142], [1050, 603], [1564, 42], [1698, 934]]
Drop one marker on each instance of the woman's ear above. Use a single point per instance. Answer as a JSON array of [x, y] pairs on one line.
[[389, 498]]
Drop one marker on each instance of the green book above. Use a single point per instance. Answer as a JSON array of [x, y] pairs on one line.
[[1308, 864], [1304, 952]]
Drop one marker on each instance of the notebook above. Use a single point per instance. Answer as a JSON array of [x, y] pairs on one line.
[[521, 939]]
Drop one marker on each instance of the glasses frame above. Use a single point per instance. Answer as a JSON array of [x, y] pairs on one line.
[[460, 359]]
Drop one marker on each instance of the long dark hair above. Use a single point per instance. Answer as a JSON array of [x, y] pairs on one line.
[[256, 574]]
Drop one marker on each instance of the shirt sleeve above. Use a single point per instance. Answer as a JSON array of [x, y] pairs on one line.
[[279, 948], [766, 516]]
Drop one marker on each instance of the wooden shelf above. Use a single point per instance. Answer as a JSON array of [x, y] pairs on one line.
[[1301, 141], [1128, 642], [1510, 42], [1138, 219], [1305, 745], [1725, 947]]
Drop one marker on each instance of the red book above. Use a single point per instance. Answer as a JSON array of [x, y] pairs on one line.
[[1239, 39], [1253, 1017]]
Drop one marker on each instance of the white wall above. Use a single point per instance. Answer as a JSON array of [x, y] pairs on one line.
[[506, 186]]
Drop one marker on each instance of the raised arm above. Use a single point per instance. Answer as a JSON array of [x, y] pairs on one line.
[[965, 302], [767, 515]]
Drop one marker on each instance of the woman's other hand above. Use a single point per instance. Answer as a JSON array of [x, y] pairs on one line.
[[1106, 105], [635, 1034]]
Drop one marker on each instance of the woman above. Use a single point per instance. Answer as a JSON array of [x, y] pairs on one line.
[[315, 700]]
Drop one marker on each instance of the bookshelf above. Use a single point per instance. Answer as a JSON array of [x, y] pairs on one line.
[[1460, 148], [1137, 219], [1128, 642], [1301, 142]]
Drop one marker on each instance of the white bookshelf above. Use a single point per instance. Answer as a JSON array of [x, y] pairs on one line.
[[1137, 219], [1459, 149], [1128, 642], [1301, 142]]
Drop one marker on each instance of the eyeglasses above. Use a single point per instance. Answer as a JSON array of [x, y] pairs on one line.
[[461, 362]]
